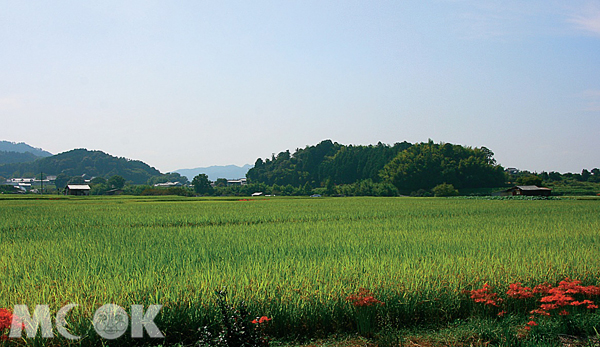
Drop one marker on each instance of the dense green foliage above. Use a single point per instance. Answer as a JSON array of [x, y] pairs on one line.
[[326, 162], [82, 161], [585, 183], [8, 157], [444, 189], [168, 177], [6, 189], [584, 176], [409, 168], [293, 260], [426, 165], [201, 184]]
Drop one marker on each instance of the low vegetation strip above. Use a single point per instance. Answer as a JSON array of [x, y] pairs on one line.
[[295, 261]]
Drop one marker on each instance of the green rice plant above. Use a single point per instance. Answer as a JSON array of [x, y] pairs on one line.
[[295, 260]]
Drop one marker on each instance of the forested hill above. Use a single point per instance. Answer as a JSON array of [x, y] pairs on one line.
[[78, 162], [327, 162], [12, 152], [9, 157], [22, 147], [408, 167]]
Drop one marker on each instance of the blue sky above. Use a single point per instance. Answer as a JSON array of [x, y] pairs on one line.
[[198, 83]]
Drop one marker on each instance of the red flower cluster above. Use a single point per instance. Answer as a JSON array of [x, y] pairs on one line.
[[6, 318], [553, 299], [517, 291], [485, 296], [261, 320], [363, 298], [561, 296]]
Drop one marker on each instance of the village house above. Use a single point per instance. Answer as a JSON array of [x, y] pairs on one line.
[[238, 182], [168, 184], [77, 189]]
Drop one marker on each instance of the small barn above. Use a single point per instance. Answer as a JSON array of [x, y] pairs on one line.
[[526, 191], [77, 189]]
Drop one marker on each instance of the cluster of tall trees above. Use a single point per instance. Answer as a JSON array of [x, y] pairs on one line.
[[586, 175], [168, 177], [427, 165], [325, 163], [404, 167]]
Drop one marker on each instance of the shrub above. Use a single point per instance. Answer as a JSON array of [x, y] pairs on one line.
[[444, 189]]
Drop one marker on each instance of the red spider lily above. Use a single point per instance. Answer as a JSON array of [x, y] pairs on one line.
[[6, 320], [486, 296], [363, 298], [563, 296], [541, 312], [542, 289], [567, 293], [553, 300], [517, 291], [548, 307], [261, 320]]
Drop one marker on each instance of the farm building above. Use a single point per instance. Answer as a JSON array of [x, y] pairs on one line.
[[77, 189], [526, 191], [239, 182]]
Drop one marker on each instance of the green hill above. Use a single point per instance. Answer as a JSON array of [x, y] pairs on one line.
[[325, 162], [9, 157], [409, 167], [12, 152], [79, 162], [22, 147]]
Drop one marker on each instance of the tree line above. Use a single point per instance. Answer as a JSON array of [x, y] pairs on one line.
[[402, 168]]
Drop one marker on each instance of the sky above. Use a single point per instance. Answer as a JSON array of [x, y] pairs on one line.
[[185, 84]]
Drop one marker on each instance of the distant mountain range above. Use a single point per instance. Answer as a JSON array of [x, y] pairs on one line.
[[21, 147], [214, 172], [12, 152], [23, 160]]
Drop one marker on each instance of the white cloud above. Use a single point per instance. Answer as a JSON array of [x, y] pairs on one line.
[[587, 18]]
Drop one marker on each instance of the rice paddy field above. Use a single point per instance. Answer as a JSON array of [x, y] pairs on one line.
[[295, 260]]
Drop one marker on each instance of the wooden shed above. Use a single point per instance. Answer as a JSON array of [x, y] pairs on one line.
[[77, 189], [526, 191]]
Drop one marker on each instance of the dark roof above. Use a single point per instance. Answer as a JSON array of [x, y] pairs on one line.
[[531, 188]]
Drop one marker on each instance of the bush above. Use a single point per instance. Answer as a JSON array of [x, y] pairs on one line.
[[444, 189]]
